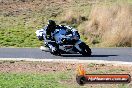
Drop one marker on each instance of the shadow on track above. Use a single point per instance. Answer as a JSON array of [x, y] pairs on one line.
[[79, 55]]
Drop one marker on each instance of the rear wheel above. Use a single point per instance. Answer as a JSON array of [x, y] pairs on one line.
[[55, 52], [54, 49], [86, 51]]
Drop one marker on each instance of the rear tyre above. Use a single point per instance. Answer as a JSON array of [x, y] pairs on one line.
[[86, 51], [56, 52], [54, 49]]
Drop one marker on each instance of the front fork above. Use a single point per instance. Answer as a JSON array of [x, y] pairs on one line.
[[77, 45]]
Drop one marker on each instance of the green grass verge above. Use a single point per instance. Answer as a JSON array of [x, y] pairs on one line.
[[21, 80], [18, 37], [51, 80], [54, 78]]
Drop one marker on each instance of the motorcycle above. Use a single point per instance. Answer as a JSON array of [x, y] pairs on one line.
[[67, 43]]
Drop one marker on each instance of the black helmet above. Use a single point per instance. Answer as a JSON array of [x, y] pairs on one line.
[[51, 22], [51, 26]]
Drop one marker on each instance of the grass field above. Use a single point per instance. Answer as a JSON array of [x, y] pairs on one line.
[[18, 37], [21, 74], [19, 19], [51, 80]]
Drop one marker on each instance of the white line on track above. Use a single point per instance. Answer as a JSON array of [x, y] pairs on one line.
[[70, 61]]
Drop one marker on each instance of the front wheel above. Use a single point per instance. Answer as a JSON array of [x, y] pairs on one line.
[[85, 50]]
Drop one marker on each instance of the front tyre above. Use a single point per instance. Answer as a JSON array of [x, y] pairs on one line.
[[85, 50]]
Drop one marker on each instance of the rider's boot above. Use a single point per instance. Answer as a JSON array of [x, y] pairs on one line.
[[44, 48]]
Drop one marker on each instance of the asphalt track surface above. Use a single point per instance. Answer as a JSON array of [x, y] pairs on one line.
[[107, 54]]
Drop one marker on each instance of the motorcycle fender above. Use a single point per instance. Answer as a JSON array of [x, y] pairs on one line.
[[77, 45]]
